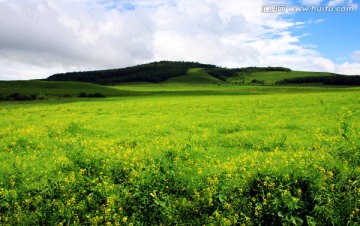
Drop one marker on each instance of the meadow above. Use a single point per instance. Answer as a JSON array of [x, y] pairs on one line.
[[272, 77], [225, 155]]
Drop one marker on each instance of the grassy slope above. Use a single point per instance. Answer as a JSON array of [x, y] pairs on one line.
[[273, 76], [195, 76], [56, 89], [151, 72], [197, 81]]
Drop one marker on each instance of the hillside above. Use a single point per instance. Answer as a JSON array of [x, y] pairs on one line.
[[197, 73], [151, 72], [195, 76], [281, 76], [331, 79], [170, 77], [273, 77], [30, 90]]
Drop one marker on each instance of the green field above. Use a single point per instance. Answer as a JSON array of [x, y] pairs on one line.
[[193, 150], [271, 77], [183, 155], [52, 89]]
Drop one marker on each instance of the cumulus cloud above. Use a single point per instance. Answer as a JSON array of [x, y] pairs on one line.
[[348, 68], [324, 64], [57, 34], [42, 37]]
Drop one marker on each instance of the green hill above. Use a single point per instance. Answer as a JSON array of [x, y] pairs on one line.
[[166, 76], [197, 73], [151, 72], [195, 76], [330, 79], [264, 76], [273, 77], [37, 89]]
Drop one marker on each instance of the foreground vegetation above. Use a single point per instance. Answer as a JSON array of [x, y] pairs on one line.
[[164, 159]]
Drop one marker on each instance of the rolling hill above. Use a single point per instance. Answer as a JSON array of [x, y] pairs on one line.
[[169, 77], [37, 89], [274, 77], [194, 76], [151, 72], [197, 73]]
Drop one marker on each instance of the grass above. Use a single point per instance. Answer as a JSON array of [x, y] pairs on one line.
[[195, 76], [216, 157], [272, 77], [196, 82], [56, 89]]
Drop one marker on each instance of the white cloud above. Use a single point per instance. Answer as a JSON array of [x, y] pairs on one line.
[[311, 2], [342, 3], [43, 37], [351, 3], [52, 34], [324, 64], [329, 3], [356, 56], [348, 68], [319, 21], [336, 2]]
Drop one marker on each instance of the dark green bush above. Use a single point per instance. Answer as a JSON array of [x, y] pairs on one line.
[[21, 97], [255, 81], [83, 94]]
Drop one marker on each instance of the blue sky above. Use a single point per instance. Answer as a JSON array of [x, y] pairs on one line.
[[336, 36], [39, 38]]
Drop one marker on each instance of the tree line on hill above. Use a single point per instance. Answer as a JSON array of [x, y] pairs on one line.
[[154, 72], [225, 73], [151, 72], [325, 80], [163, 70], [18, 96]]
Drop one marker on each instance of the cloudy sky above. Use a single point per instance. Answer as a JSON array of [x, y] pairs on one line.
[[41, 37]]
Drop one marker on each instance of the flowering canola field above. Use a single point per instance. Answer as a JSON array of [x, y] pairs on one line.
[[275, 159]]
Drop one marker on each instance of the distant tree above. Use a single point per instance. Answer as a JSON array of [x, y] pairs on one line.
[[225, 73], [326, 80], [21, 97], [152, 72], [255, 81], [83, 94]]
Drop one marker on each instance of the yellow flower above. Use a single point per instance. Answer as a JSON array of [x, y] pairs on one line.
[[124, 219], [70, 202], [299, 191]]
